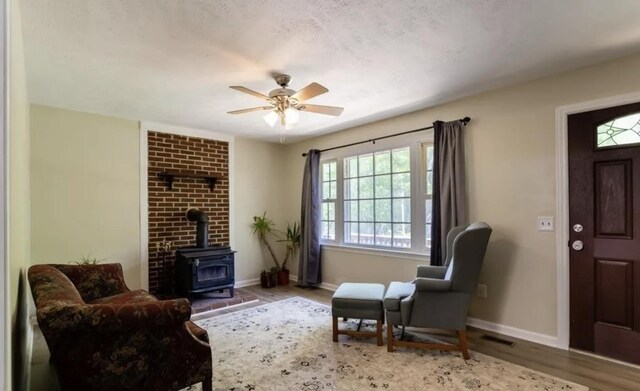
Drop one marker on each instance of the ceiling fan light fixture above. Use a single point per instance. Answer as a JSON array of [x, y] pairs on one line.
[[271, 118], [291, 116]]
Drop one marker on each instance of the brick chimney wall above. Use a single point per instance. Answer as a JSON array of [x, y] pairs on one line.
[[167, 208]]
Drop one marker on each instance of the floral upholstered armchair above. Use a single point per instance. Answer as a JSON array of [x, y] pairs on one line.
[[103, 336]]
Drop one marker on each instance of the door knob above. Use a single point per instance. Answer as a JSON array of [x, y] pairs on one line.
[[577, 228], [577, 245]]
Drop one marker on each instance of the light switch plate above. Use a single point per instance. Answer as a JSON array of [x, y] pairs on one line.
[[545, 223]]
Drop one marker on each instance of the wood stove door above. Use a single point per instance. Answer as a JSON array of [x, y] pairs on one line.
[[212, 272]]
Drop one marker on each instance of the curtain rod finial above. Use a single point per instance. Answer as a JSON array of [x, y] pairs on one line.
[[466, 120]]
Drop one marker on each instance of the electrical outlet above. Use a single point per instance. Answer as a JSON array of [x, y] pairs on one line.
[[545, 223], [482, 291]]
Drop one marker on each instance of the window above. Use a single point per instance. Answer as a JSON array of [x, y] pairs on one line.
[[329, 195], [621, 131], [379, 198]]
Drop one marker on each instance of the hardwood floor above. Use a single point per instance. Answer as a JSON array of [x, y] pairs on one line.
[[596, 373]]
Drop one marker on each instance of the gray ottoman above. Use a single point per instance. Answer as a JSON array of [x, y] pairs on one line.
[[360, 301]]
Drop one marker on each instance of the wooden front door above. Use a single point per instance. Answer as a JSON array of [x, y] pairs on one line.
[[604, 215]]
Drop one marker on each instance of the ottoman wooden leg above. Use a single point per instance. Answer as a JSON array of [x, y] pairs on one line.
[[389, 337], [335, 329], [379, 331]]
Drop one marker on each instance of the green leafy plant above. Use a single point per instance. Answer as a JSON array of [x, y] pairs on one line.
[[264, 227], [292, 240], [88, 260]]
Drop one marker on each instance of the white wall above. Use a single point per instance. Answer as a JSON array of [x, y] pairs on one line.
[[18, 198], [259, 187], [85, 189], [510, 147]]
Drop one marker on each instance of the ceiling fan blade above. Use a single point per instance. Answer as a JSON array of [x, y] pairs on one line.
[[328, 110], [250, 92], [250, 110], [310, 91]]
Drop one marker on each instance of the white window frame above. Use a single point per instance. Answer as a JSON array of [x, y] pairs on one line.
[[415, 143]]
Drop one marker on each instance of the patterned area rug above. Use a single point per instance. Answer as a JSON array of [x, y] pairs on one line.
[[287, 345]]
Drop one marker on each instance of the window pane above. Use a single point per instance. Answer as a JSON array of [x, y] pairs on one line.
[[402, 235], [325, 230], [366, 210], [427, 210], [402, 210], [429, 183], [365, 163], [325, 211], [332, 230], [366, 187], [331, 211], [430, 157], [325, 172], [351, 232], [621, 131], [325, 190], [351, 211], [383, 234], [401, 185], [332, 171], [351, 189], [383, 210], [366, 233], [383, 186], [400, 160], [351, 167], [333, 191], [383, 162]]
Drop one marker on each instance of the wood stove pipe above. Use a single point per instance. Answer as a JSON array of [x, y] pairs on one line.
[[202, 227]]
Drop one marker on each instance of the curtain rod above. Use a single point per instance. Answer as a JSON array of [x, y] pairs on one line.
[[465, 120]]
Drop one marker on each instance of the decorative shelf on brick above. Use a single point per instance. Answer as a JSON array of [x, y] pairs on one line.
[[170, 176]]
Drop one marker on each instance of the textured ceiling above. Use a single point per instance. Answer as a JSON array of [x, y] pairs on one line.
[[172, 61]]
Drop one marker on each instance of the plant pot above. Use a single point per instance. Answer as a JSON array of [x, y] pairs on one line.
[[273, 279], [283, 277], [266, 281]]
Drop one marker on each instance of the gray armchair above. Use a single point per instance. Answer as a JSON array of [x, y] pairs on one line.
[[440, 295]]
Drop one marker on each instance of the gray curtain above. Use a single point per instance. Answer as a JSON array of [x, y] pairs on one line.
[[309, 268], [449, 207]]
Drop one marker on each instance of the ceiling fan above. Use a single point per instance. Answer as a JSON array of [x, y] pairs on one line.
[[285, 104]]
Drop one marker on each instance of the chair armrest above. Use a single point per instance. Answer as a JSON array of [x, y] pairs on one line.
[[432, 284], [95, 281], [431, 271], [115, 317]]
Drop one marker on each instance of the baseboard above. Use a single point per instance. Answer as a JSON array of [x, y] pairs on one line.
[[249, 282], [324, 285], [542, 339]]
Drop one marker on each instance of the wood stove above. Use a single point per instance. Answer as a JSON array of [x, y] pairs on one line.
[[201, 270]]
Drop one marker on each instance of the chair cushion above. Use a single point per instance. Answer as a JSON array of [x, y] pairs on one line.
[[137, 296], [396, 292], [358, 300]]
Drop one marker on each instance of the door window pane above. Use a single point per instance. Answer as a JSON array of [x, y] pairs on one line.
[[621, 131]]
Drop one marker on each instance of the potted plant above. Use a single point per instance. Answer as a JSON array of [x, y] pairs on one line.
[[263, 227], [292, 240]]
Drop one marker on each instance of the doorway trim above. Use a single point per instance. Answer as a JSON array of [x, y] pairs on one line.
[[562, 201]]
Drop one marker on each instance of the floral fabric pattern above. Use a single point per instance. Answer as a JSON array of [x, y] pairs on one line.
[[121, 341], [287, 345]]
